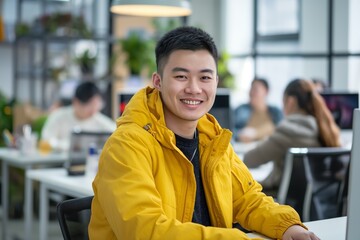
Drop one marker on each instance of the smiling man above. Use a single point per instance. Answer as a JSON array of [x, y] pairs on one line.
[[169, 170]]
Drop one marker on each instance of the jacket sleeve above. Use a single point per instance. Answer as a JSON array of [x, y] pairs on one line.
[[127, 197], [254, 210]]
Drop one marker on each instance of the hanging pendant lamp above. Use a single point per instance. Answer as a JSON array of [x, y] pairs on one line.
[[151, 8]]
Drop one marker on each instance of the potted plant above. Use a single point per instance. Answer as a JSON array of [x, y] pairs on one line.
[[86, 62], [139, 53], [226, 78]]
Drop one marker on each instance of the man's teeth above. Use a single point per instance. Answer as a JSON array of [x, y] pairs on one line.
[[190, 102]]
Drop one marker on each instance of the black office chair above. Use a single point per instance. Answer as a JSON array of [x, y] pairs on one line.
[[314, 181], [74, 216]]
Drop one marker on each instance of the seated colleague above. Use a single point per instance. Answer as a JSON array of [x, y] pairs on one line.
[[256, 120], [83, 114], [307, 123], [169, 170]]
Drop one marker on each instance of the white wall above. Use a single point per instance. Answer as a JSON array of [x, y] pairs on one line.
[[206, 15], [354, 45], [6, 65]]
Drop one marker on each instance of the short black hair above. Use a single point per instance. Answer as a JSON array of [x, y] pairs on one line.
[[263, 81], [183, 38], [85, 91]]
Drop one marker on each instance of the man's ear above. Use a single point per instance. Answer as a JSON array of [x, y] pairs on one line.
[[156, 79]]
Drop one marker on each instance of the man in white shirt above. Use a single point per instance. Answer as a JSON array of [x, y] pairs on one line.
[[84, 115]]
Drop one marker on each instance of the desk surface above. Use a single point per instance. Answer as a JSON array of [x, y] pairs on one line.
[[15, 158], [242, 148], [328, 229], [59, 180]]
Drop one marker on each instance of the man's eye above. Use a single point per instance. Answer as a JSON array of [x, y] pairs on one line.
[[180, 77], [206, 78]]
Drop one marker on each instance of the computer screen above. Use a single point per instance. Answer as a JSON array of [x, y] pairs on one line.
[[221, 109], [353, 209], [124, 97], [341, 106], [79, 145]]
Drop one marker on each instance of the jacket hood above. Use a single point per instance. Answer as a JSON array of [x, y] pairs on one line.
[[145, 109]]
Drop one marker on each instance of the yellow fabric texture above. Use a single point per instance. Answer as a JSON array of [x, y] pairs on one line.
[[145, 186]]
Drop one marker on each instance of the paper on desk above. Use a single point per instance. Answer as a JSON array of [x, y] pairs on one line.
[[261, 172]]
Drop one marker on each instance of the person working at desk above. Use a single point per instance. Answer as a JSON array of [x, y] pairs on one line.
[[256, 120], [83, 114], [308, 123], [169, 170]]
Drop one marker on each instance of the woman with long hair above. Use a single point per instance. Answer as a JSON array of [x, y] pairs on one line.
[[307, 123]]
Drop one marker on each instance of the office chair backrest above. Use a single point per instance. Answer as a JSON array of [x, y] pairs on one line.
[[74, 216], [314, 179]]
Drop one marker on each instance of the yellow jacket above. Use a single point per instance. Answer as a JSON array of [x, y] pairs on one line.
[[145, 187]]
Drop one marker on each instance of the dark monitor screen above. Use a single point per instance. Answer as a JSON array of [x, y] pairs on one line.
[[123, 98], [341, 106], [221, 109], [79, 145]]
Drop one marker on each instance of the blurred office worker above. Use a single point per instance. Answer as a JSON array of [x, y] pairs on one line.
[[169, 170], [83, 114], [307, 123], [257, 119]]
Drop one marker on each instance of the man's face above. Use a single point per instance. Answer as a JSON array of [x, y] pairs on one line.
[[86, 110], [188, 86]]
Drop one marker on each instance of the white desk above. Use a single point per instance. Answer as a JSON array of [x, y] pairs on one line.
[[57, 179], [12, 157], [241, 148], [261, 172], [328, 229]]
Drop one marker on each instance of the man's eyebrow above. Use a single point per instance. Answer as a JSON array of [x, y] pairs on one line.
[[207, 70], [180, 69]]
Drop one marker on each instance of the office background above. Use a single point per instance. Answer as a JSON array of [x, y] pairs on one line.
[[302, 48], [231, 23]]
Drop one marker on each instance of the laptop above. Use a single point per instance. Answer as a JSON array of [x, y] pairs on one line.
[[80, 143], [353, 208]]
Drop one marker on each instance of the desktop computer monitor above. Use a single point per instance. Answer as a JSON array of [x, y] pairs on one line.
[[79, 146], [123, 97], [353, 208], [221, 109], [341, 106]]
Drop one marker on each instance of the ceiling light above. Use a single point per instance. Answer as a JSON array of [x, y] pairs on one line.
[[154, 8]]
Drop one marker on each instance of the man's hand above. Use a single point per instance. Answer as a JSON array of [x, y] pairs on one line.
[[297, 232]]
